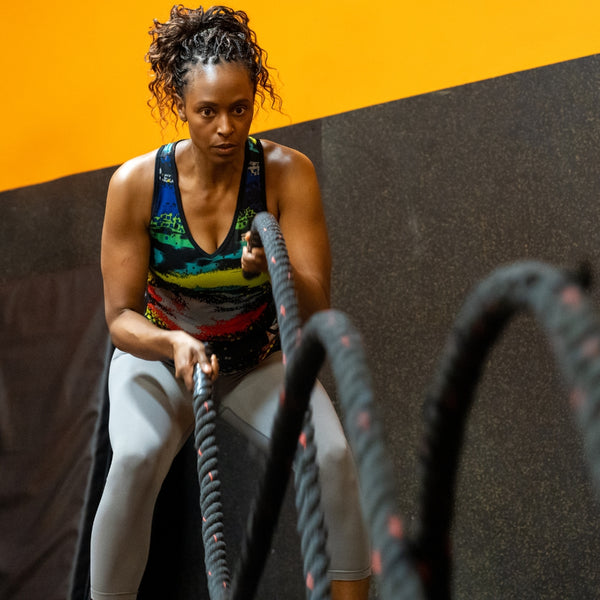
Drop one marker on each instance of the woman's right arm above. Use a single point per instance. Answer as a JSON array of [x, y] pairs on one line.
[[124, 259]]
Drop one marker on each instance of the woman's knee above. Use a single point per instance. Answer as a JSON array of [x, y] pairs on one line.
[[348, 542], [137, 470], [337, 469]]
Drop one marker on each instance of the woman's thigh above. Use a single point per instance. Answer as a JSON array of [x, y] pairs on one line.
[[150, 409], [252, 404]]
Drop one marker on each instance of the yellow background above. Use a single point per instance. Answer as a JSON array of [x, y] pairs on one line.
[[74, 80]]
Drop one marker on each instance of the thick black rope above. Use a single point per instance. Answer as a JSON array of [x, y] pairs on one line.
[[331, 332], [215, 559], [283, 447], [556, 300], [560, 305]]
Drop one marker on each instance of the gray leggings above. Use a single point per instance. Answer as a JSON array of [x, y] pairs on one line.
[[151, 417]]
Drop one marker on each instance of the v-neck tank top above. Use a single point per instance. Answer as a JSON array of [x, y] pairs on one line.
[[205, 294]]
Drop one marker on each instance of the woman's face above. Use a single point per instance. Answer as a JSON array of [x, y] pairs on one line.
[[218, 104]]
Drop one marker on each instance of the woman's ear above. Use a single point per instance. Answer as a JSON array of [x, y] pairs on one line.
[[180, 106]]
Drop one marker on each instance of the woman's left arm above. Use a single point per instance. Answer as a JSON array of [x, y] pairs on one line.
[[294, 198]]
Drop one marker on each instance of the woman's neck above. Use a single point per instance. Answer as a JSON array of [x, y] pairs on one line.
[[210, 174]]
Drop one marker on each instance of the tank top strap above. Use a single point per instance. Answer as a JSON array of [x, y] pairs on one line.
[[165, 178], [254, 198]]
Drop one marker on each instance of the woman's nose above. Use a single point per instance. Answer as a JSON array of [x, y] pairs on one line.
[[225, 126]]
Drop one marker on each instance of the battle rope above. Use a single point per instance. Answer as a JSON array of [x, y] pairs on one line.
[[284, 446], [331, 333], [419, 567], [557, 301], [215, 559]]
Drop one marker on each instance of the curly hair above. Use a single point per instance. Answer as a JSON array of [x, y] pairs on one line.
[[193, 36]]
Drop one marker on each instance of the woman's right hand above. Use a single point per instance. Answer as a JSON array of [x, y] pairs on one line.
[[187, 352]]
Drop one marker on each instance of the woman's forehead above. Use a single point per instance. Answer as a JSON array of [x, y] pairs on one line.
[[219, 81], [213, 72]]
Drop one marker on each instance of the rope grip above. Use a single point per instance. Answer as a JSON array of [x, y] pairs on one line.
[[254, 242]]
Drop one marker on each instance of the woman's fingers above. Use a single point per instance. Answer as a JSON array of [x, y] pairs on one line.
[[214, 361], [253, 258]]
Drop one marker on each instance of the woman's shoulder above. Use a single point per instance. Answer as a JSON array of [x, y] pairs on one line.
[[136, 171], [288, 172], [282, 158], [131, 187]]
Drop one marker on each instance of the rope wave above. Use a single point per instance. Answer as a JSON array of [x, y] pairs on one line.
[[411, 567]]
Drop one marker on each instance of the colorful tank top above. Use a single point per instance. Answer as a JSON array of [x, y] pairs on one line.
[[206, 294]]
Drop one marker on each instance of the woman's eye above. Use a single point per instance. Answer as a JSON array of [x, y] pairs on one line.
[[206, 112], [239, 110]]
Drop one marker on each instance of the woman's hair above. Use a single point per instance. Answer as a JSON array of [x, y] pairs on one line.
[[192, 36]]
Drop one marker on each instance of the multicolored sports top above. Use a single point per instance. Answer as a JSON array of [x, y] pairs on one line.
[[206, 294]]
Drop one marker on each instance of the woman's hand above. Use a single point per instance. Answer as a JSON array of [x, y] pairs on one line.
[[187, 352], [254, 259]]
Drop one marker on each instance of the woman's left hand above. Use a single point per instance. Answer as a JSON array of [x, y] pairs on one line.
[[254, 259]]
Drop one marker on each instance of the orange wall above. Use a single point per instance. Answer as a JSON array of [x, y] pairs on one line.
[[74, 78]]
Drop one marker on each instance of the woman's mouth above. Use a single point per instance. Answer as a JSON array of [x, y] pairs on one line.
[[225, 148]]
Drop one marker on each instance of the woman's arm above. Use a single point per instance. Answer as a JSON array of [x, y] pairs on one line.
[[124, 258], [294, 198]]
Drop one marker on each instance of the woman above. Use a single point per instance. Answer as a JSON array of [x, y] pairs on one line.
[[173, 251]]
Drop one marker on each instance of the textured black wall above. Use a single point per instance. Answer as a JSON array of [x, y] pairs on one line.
[[424, 197]]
